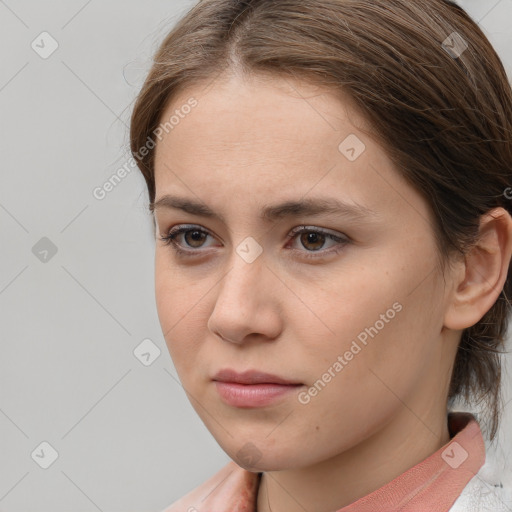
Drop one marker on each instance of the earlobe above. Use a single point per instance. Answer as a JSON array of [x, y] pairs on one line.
[[480, 278]]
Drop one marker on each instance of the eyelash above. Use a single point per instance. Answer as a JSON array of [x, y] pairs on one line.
[[170, 240]]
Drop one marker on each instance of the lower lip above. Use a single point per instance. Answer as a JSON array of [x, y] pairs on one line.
[[252, 395]]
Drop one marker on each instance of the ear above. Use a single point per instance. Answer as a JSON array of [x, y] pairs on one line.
[[481, 276]]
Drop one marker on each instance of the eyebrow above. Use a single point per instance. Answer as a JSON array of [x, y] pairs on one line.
[[272, 213]]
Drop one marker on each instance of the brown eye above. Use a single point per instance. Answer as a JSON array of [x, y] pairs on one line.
[[317, 240], [311, 240], [194, 238], [185, 239]]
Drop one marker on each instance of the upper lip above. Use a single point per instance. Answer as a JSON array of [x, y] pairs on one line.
[[251, 377]]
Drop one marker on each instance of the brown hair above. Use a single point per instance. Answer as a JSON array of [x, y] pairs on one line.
[[441, 110]]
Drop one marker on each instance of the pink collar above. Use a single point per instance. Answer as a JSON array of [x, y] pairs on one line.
[[436, 482], [433, 484]]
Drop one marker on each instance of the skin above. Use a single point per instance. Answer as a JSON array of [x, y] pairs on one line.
[[252, 142]]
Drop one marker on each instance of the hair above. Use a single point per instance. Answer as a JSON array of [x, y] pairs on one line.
[[443, 117]]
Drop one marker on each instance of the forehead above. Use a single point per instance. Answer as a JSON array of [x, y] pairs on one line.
[[264, 124], [263, 142]]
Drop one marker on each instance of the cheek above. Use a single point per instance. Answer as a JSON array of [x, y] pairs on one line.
[[350, 394], [180, 306], [177, 292], [375, 323]]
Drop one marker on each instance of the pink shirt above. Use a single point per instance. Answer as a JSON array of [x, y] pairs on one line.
[[432, 485]]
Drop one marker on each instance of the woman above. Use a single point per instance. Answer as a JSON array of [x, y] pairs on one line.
[[329, 182]]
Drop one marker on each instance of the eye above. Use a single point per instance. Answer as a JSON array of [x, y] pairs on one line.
[[311, 238], [314, 238], [193, 236]]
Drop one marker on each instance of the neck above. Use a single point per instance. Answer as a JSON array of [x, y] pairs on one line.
[[332, 484]]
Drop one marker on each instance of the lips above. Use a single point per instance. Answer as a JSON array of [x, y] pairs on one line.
[[252, 377], [253, 388]]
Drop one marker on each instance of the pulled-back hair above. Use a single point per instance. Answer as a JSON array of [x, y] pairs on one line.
[[423, 74]]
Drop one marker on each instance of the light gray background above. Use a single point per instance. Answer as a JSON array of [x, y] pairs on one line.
[[126, 436]]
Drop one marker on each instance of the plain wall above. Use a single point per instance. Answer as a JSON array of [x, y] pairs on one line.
[[76, 272]]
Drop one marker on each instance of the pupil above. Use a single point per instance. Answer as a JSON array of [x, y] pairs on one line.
[[195, 235], [313, 238]]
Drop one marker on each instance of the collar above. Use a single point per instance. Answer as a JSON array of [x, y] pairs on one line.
[[433, 484]]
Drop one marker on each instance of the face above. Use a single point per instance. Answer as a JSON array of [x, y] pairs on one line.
[[346, 303]]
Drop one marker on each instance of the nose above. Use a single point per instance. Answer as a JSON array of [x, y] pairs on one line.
[[247, 305]]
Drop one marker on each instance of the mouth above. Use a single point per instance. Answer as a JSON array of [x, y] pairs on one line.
[[252, 377], [252, 388]]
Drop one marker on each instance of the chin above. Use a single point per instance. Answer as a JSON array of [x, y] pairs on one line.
[[252, 459]]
